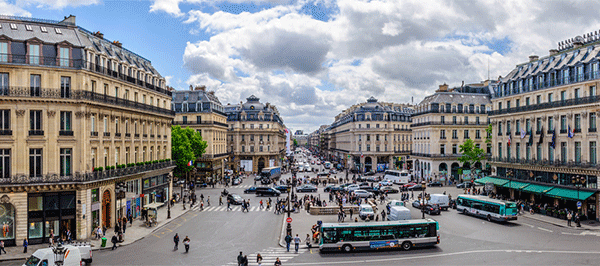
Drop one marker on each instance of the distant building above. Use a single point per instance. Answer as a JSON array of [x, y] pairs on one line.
[[256, 136], [301, 138], [202, 111]]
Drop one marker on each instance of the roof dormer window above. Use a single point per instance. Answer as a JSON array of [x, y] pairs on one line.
[[28, 28], [57, 30], [13, 26], [43, 29]]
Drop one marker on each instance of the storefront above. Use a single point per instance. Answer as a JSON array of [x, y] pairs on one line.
[[7, 221], [50, 213], [155, 189], [95, 208]]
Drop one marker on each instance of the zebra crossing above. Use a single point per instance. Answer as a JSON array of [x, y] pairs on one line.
[[234, 208], [269, 255]]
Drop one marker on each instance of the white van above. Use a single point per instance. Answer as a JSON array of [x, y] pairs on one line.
[[366, 212], [74, 256], [397, 177], [398, 213], [442, 200]]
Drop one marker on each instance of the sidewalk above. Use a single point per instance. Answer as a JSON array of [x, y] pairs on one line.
[[585, 225], [132, 234]]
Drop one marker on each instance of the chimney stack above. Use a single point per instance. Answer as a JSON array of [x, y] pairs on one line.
[[553, 52], [533, 58], [99, 35], [117, 43], [200, 88], [443, 88], [578, 42]]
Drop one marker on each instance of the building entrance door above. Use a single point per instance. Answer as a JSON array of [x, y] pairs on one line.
[[106, 204]]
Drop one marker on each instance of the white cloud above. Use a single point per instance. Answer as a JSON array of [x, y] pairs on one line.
[[12, 10], [57, 4], [393, 50]]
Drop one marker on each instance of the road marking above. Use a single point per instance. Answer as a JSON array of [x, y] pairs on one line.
[[566, 233], [156, 235], [528, 225], [544, 229]]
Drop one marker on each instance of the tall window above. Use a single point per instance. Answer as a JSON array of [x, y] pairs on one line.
[[65, 121], [592, 90], [538, 124], [577, 122], [442, 134], [35, 162], [3, 52], [528, 152], [65, 162], [117, 125], [499, 149], [477, 134], [593, 152], [93, 123], [550, 123], [577, 151], [563, 151], [34, 54], [550, 152], [539, 152], [466, 134], [592, 121], [454, 149], [34, 85], [518, 151], [454, 134], [563, 122], [518, 126], [443, 149], [64, 57], [3, 83], [4, 121], [35, 120], [94, 152], [4, 163], [105, 124]]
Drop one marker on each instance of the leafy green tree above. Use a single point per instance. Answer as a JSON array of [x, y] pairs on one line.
[[186, 145], [295, 143], [471, 154]]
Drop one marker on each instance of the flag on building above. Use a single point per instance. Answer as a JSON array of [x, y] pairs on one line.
[[523, 133], [571, 133], [541, 137], [361, 155], [509, 140], [530, 142], [190, 163], [553, 144]]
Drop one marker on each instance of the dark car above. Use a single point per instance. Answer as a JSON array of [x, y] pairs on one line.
[[370, 173], [306, 188], [374, 178], [373, 190], [235, 199], [336, 188], [415, 187], [432, 209], [435, 184], [283, 189], [267, 191], [250, 190], [464, 185], [389, 190]]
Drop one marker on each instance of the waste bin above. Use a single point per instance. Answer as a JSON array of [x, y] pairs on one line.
[[103, 242]]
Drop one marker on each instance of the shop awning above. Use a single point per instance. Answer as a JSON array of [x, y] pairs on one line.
[[515, 184], [568, 193], [154, 205], [535, 188], [494, 180]]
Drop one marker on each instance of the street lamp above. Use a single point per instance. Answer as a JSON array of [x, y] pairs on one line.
[[182, 197], [423, 198], [578, 181], [169, 198]]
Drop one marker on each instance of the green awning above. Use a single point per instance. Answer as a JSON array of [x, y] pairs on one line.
[[568, 193], [515, 184], [488, 179], [535, 188]]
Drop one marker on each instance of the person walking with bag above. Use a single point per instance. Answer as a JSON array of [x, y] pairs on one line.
[[2, 247], [288, 240], [569, 217], [186, 243], [176, 240], [114, 241], [259, 259], [25, 244]]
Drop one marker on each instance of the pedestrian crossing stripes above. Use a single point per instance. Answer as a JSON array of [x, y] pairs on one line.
[[234, 208], [269, 255]]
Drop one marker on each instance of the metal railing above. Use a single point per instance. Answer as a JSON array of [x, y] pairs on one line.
[[548, 105]]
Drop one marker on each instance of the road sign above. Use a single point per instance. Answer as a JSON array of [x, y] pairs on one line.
[[289, 219], [579, 204]]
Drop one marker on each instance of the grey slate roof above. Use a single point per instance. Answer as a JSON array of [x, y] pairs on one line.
[[457, 98]]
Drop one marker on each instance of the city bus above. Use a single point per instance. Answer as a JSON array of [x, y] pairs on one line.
[[485, 207], [404, 234], [397, 177]]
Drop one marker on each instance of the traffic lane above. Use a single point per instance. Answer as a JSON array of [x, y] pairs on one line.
[[216, 239]]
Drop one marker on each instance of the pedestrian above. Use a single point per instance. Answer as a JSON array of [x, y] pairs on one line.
[[51, 238], [220, 200], [245, 263], [351, 212], [240, 259], [288, 240], [259, 259], [577, 219], [228, 205], [25, 244], [186, 244], [297, 242], [99, 232], [2, 247], [176, 240], [261, 204], [308, 241], [208, 201], [124, 224], [569, 217], [201, 197], [277, 262], [114, 241]]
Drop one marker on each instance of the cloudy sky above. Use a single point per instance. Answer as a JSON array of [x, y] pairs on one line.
[[315, 58]]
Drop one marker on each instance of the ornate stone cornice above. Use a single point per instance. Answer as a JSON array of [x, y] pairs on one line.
[[20, 112], [51, 113]]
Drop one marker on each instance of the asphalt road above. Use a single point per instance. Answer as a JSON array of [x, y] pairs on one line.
[[217, 237]]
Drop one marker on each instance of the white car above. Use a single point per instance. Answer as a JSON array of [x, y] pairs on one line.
[[352, 187], [386, 183], [362, 193]]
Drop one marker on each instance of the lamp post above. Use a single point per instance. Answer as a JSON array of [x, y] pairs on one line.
[[289, 225], [169, 198], [182, 197], [578, 181], [423, 199], [510, 175]]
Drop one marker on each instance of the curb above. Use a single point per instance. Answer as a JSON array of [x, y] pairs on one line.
[[107, 247], [282, 236], [560, 225]]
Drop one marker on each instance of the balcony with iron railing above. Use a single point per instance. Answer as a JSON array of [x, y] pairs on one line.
[[548, 105], [86, 177], [5, 132], [65, 133], [46, 93], [47, 61], [36, 132], [199, 123], [549, 83], [436, 123]]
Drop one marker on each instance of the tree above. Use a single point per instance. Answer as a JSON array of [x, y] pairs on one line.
[[186, 145], [471, 154], [295, 143]]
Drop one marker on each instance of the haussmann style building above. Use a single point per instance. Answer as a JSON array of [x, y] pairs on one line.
[[85, 134]]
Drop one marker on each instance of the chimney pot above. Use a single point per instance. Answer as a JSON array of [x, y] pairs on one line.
[[533, 58], [553, 51]]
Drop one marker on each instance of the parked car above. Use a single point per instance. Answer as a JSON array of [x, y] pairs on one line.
[[283, 189], [250, 190], [416, 204], [374, 190], [235, 199], [267, 191], [306, 188], [257, 178], [361, 193], [435, 184], [464, 185], [389, 190]]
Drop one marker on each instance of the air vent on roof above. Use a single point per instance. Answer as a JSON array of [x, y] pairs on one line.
[[57, 30], [43, 29], [28, 28], [13, 26]]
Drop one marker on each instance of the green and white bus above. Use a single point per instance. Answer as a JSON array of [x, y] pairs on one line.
[[485, 207], [404, 235]]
